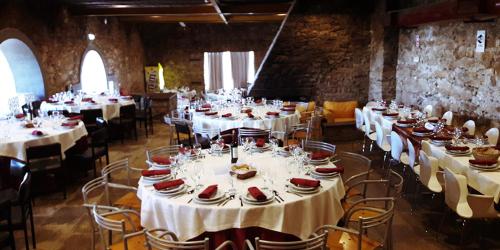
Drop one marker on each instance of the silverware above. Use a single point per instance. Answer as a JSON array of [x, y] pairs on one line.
[[241, 201], [299, 195], [231, 197], [189, 201], [278, 195], [276, 198]]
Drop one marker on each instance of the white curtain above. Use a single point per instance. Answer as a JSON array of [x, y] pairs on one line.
[[214, 68], [239, 68]]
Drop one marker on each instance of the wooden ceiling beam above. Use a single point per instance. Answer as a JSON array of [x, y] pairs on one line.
[[110, 11], [217, 9], [256, 8]]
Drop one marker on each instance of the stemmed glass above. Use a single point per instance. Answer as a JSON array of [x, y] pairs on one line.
[[197, 151], [456, 135], [274, 146]]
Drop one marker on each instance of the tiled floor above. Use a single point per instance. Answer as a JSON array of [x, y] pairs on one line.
[[63, 224]]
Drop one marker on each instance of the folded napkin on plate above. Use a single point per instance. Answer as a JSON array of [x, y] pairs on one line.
[[69, 124], [257, 194], [467, 136], [246, 110], [227, 115], [163, 160], [206, 106], [288, 109], [273, 113], [305, 182], [421, 130], [260, 142], [75, 117], [148, 173], [456, 148], [483, 162], [440, 138], [208, 192], [246, 175], [407, 121], [390, 114], [290, 106], [436, 120], [250, 115], [113, 100], [258, 101], [87, 99], [69, 102], [210, 113], [202, 110], [320, 155], [337, 169], [168, 184], [37, 133], [19, 116], [51, 101]]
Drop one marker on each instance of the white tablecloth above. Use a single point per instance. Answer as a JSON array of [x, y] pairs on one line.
[[298, 216], [282, 123], [14, 139], [109, 109]]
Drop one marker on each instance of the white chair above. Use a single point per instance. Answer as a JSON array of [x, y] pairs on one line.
[[465, 205], [426, 147], [382, 141], [471, 127], [163, 239], [359, 119], [369, 133], [430, 175], [492, 135], [448, 116], [428, 110], [315, 242]]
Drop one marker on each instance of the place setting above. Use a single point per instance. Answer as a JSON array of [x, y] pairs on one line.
[[485, 159], [326, 173], [302, 186], [152, 176], [210, 195], [170, 188]]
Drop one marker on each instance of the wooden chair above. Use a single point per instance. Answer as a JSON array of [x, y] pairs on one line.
[[126, 121], [163, 239], [98, 148], [45, 160], [89, 118], [129, 200], [7, 238], [315, 242], [144, 113]]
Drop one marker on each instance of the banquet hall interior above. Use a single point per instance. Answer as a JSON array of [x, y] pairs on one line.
[[249, 124]]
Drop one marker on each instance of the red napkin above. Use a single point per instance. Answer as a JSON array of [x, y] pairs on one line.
[[76, 117], [258, 101], [69, 124], [87, 99], [408, 121], [483, 162], [155, 172], [69, 102], [202, 110], [210, 113], [456, 148], [227, 115], [257, 194], [246, 111], [37, 133], [338, 169], [421, 130], [19, 116], [206, 106], [273, 113], [440, 138], [390, 114], [320, 155], [289, 106], [51, 101], [163, 160], [168, 184], [436, 120], [246, 175], [208, 192], [113, 100], [260, 142], [288, 109], [305, 182], [186, 149], [250, 115]]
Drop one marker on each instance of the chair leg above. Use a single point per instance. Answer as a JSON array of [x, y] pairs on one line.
[[95, 167], [107, 159], [416, 193], [441, 223], [146, 127], [464, 225], [25, 229], [32, 222]]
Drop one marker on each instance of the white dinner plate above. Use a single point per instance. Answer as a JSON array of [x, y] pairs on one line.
[[324, 174], [323, 177], [485, 168], [157, 177], [302, 188], [421, 134], [458, 153], [405, 125], [182, 189], [250, 200], [172, 190], [154, 164], [217, 196], [303, 191]]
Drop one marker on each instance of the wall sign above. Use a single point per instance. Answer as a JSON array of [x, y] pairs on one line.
[[480, 40]]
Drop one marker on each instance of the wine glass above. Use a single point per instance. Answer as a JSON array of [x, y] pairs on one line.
[[274, 145], [456, 135], [197, 151]]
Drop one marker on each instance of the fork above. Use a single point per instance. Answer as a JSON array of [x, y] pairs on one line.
[[231, 197], [278, 195]]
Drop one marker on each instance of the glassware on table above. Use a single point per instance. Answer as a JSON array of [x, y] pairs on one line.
[[197, 151], [456, 135], [274, 146]]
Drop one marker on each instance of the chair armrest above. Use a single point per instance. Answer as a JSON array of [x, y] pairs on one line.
[[355, 208], [321, 229], [130, 235], [225, 244], [365, 182], [248, 245], [357, 176], [121, 186]]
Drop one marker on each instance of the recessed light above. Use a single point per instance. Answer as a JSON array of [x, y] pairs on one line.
[[281, 14], [91, 36], [120, 5], [182, 24]]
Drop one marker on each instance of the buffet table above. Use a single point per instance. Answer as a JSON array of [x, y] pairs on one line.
[[188, 219]]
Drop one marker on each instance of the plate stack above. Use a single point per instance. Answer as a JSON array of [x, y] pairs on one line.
[[318, 162], [421, 132], [484, 165], [174, 191], [390, 116], [150, 180], [317, 175], [303, 189], [440, 140], [284, 152], [406, 123], [249, 199], [216, 198], [266, 147], [458, 150]]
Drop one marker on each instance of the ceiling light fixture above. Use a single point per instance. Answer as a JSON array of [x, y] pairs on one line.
[[91, 36], [120, 5], [182, 24], [105, 21], [281, 14]]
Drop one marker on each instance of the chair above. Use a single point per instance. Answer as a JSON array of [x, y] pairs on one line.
[[464, 204], [163, 239], [35, 105], [471, 127], [129, 200], [98, 149], [315, 242], [428, 110], [64, 112], [203, 136], [127, 120], [426, 147], [170, 150], [183, 129], [7, 239], [89, 118], [144, 113], [430, 175], [319, 146], [253, 133], [359, 119], [412, 164], [448, 116], [369, 133], [492, 136], [381, 141], [355, 237], [22, 210], [47, 160], [300, 132], [131, 237]]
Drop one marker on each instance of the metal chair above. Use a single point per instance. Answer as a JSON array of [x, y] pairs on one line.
[[161, 151], [300, 132], [130, 199], [315, 242], [163, 239], [252, 132], [130, 234], [319, 146]]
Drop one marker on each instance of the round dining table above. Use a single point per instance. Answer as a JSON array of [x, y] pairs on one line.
[[283, 122], [295, 215], [110, 105], [15, 138]]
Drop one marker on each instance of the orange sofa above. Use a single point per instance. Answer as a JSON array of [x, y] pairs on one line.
[[339, 112]]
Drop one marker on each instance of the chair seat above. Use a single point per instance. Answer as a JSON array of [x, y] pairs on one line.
[[342, 240], [372, 136], [386, 147], [128, 227], [87, 154], [404, 158], [344, 120], [136, 242], [129, 200], [44, 164]]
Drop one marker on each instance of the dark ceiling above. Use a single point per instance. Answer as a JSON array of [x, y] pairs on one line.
[[188, 11]]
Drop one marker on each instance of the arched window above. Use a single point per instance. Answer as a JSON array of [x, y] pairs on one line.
[[93, 74], [20, 74]]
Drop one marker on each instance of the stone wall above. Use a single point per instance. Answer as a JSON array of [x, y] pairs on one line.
[[60, 40], [449, 73], [180, 50], [322, 53]]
